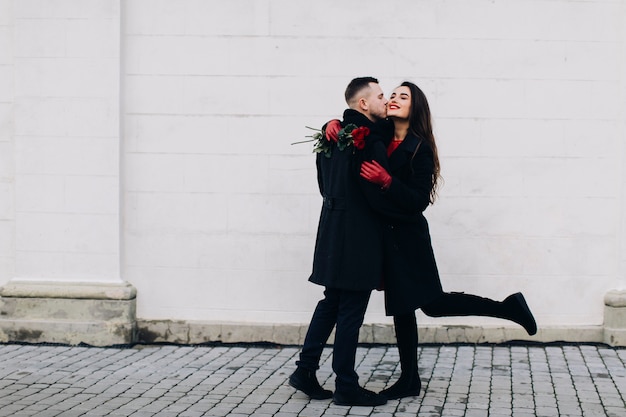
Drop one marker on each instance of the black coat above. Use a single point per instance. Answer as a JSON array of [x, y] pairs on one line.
[[411, 279], [348, 248]]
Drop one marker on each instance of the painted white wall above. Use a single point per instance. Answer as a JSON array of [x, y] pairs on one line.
[[7, 163], [219, 211], [66, 140]]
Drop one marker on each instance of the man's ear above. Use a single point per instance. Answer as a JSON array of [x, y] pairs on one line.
[[363, 104]]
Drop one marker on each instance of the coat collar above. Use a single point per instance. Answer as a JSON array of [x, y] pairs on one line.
[[382, 128], [404, 152], [353, 116]]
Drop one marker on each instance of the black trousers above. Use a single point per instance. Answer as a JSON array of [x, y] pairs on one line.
[[346, 310], [461, 304], [447, 304]]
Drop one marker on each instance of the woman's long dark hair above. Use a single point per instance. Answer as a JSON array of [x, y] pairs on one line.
[[420, 124]]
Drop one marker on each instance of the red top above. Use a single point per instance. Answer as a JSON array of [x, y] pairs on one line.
[[393, 145]]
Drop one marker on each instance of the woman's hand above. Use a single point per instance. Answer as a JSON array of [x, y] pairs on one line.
[[332, 130], [375, 173]]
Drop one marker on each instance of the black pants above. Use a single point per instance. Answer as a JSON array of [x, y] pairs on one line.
[[461, 304], [346, 310], [447, 304]]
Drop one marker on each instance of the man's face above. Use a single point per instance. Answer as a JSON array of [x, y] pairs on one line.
[[376, 102]]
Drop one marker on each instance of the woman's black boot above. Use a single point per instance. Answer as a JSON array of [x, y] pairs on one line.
[[409, 383], [518, 311], [513, 308]]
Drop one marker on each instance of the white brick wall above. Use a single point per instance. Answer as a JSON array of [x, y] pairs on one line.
[[67, 140], [7, 165], [219, 212]]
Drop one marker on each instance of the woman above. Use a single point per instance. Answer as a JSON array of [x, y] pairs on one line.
[[411, 279]]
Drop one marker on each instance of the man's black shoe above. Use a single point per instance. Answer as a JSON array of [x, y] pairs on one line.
[[306, 381], [358, 397]]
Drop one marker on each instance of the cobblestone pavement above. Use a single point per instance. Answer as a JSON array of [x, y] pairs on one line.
[[236, 381]]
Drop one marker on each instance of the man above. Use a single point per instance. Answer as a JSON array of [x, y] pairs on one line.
[[348, 252]]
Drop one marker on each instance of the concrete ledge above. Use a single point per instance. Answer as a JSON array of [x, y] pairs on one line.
[[105, 314], [39, 289], [64, 309], [615, 318], [68, 313], [95, 333], [195, 332]]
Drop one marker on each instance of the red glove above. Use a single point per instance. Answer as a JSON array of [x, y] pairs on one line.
[[332, 130], [375, 173]]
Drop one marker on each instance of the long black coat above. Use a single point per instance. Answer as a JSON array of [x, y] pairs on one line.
[[349, 245], [411, 279]]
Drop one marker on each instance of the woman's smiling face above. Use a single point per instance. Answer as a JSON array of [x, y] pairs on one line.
[[399, 105]]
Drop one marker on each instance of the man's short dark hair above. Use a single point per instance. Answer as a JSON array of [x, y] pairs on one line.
[[357, 85]]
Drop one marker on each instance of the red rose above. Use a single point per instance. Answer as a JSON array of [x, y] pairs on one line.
[[358, 136], [359, 143]]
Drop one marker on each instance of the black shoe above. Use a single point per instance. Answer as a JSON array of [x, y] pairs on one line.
[[358, 397], [520, 312], [404, 387], [306, 381]]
